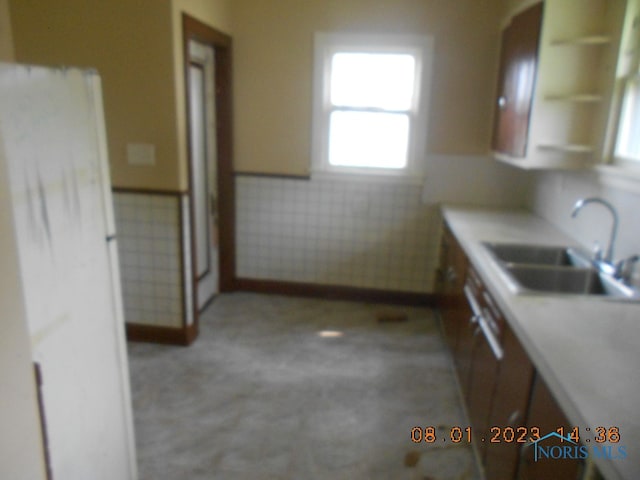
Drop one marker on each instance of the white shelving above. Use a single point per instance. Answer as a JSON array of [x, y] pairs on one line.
[[575, 98], [588, 40], [574, 84], [567, 147]]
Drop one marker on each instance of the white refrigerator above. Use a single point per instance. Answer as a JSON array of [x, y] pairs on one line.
[[52, 142]]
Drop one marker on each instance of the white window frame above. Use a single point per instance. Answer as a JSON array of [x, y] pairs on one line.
[[630, 89], [328, 44], [625, 89]]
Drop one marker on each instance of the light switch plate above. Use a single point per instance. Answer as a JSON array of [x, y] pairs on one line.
[[141, 154]]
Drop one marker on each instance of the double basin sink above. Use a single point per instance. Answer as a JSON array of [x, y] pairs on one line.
[[558, 270]]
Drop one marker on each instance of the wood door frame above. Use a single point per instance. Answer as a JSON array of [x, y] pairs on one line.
[[193, 29]]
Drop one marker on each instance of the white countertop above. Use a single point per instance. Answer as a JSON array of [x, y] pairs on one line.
[[586, 349]]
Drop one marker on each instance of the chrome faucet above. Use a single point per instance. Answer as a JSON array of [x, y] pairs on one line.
[[608, 257], [624, 269]]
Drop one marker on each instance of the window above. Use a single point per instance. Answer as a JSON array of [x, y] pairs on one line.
[[628, 144], [370, 103]]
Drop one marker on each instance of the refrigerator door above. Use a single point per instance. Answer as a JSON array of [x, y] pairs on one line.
[[53, 137]]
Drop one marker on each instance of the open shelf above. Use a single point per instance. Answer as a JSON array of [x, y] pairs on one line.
[[576, 98], [583, 40], [567, 147]]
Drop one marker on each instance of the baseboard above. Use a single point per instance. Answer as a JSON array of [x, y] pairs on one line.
[[163, 335], [336, 292]]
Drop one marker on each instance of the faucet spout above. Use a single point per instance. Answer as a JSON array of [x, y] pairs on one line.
[[580, 204]]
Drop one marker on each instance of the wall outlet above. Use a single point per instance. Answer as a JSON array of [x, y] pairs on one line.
[[141, 154]]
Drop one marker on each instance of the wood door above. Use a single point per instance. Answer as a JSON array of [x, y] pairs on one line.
[[516, 82]]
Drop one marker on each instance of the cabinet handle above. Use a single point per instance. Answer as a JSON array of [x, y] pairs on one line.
[[496, 349], [473, 303], [452, 276], [502, 102], [514, 417]]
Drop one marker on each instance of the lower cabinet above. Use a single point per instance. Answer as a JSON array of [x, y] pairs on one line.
[[451, 278], [454, 308], [486, 356], [506, 399], [509, 409], [545, 414]]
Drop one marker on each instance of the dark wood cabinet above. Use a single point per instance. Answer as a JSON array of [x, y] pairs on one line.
[[455, 312], [482, 380], [509, 409], [452, 274], [486, 357], [498, 380], [545, 414], [516, 82]]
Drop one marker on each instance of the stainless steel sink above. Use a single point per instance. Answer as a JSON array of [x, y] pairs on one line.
[[561, 280], [567, 280], [558, 270], [538, 254]]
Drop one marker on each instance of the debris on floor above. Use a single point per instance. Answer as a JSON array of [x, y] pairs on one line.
[[411, 459], [450, 462]]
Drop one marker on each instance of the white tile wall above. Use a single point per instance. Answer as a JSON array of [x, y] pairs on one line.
[[335, 232], [555, 194], [149, 251]]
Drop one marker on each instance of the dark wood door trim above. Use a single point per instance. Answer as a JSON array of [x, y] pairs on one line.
[[222, 44]]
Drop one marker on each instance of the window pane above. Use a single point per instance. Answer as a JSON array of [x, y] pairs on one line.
[[372, 80], [629, 140], [365, 139]]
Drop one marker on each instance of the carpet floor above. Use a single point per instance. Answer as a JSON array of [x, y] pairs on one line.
[[263, 394]]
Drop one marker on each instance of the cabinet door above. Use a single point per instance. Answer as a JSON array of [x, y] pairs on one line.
[[516, 81], [464, 351], [545, 414], [452, 304], [484, 368], [509, 409], [470, 330]]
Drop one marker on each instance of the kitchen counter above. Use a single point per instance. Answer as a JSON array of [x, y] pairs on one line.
[[587, 349]]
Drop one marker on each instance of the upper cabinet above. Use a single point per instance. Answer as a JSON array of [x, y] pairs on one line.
[[555, 84], [516, 79]]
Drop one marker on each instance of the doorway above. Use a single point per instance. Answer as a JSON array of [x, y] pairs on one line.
[[207, 64], [203, 170]]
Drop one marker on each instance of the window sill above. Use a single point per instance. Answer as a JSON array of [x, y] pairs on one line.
[[350, 176], [620, 176]]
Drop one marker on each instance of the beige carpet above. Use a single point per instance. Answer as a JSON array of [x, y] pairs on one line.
[[261, 395]]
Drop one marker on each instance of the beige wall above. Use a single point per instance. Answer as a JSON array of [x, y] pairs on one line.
[[6, 39], [130, 45], [273, 44], [137, 48]]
